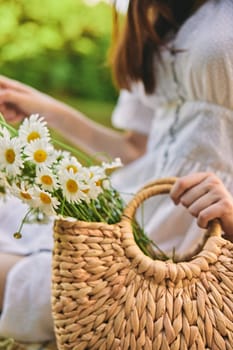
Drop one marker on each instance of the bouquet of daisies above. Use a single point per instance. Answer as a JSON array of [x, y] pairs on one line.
[[54, 183]]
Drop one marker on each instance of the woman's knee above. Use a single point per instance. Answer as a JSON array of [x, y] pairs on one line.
[[7, 261]]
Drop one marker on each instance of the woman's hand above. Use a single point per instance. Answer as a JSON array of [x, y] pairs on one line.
[[206, 198], [18, 100]]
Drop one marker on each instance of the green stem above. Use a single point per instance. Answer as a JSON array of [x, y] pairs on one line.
[[73, 150], [80, 209], [18, 233], [105, 209], [96, 212], [7, 126]]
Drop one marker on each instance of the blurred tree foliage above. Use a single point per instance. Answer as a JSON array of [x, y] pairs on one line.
[[59, 47]]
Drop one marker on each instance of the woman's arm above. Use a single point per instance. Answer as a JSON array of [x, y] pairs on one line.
[[93, 137], [206, 198], [7, 261], [18, 100]]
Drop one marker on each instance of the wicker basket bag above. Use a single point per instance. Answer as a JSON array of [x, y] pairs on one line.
[[106, 294]]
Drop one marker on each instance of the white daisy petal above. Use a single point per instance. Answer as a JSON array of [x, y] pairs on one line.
[[33, 128], [10, 155], [73, 189], [93, 177], [23, 191], [46, 179], [40, 152], [46, 203], [112, 166], [4, 133], [69, 163]]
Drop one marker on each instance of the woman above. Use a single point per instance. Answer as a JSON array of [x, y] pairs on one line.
[[174, 66]]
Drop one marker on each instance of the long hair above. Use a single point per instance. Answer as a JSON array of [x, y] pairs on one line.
[[146, 27]]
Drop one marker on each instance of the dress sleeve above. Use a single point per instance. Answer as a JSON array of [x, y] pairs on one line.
[[131, 113]]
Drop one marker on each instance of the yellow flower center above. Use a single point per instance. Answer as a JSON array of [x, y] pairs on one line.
[[86, 190], [72, 186], [72, 167], [25, 195], [17, 235], [45, 198], [40, 156], [10, 155], [33, 136], [46, 180], [98, 182]]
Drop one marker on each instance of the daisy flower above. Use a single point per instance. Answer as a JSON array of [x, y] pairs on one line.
[[4, 133], [61, 154], [33, 128], [97, 174], [53, 182], [93, 180], [45, 202], [110, 167], [106, 184], [10, 155], [93, 191], [46, 178], [23, 191], [72, 186], [69, 163], [40, 152]]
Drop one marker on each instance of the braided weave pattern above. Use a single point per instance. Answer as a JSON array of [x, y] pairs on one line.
[[107, 295]]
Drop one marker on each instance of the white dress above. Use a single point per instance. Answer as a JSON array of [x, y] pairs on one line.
[[189, 122]]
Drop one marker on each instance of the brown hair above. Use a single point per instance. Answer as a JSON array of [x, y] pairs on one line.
[[146, 26]]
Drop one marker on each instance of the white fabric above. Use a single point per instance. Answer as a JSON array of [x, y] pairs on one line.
[[189, 122], [190, 127], [35, 237], [27, 314]]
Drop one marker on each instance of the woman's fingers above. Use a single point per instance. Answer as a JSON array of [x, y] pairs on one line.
[[14, 99], [222, 210], [197, 183], [191, 195], [23, 100], [205, 197], [12, 105], [185, 183], [7, 83], [11, 115], [202, 203], [10, 96], [11, 112]]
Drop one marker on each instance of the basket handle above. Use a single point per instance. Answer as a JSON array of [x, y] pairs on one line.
[[161, 186]]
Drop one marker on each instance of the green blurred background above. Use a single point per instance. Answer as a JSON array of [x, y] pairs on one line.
[[60, 47]]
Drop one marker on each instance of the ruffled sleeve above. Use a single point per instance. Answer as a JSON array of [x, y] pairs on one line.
[[131, 113]]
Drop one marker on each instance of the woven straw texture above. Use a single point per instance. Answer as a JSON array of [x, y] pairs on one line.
[[106, 294], [11, 344]]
